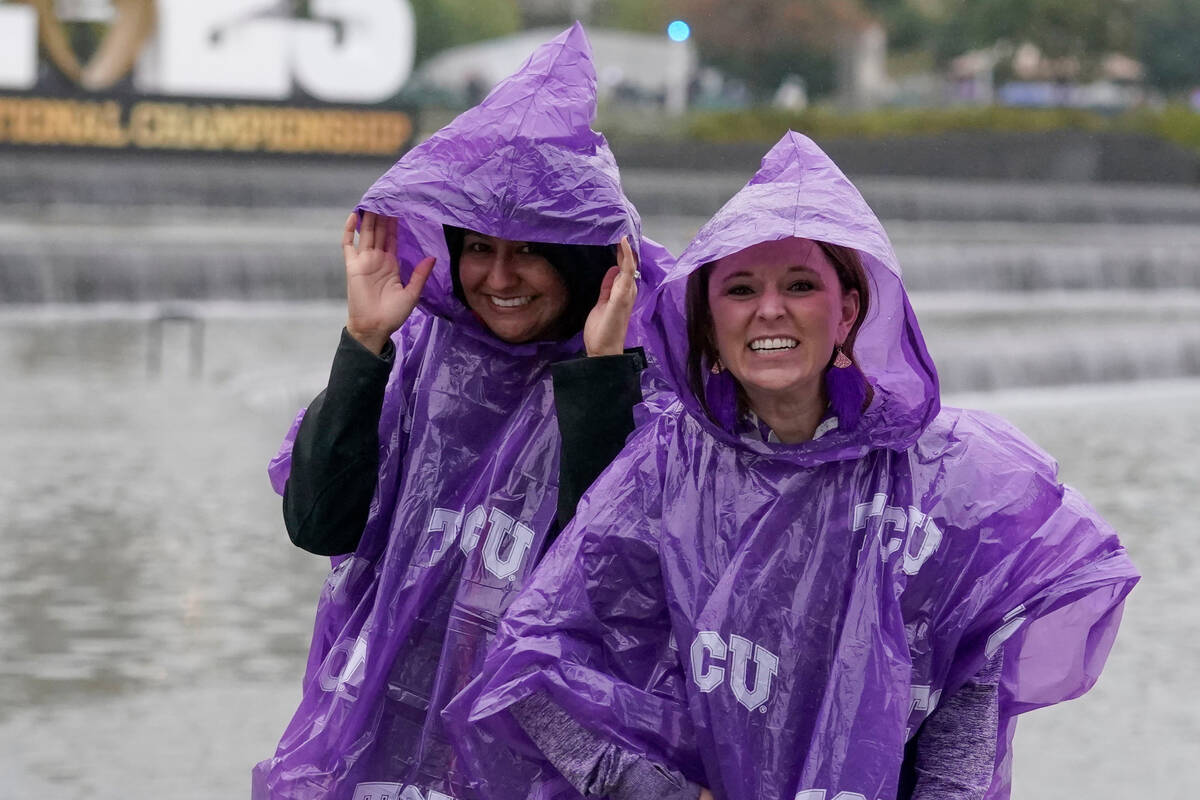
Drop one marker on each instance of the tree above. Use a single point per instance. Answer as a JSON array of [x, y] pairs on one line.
[[910, 24], [762, 41], [1168, 43], [448, 23], [1083, 30], [647, 16]]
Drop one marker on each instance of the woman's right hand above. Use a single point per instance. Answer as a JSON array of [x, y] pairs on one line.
[[377, 301]]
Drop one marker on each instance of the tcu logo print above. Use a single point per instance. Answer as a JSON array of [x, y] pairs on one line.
[[344, 681], [395, 791], [913, 530], [709, 648], [924, 700], [504, 546]]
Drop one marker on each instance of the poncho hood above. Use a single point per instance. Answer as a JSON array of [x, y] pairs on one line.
[[524, 165], [799, 192]]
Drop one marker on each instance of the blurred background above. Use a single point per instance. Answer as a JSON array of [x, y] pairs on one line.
[[173, 179]]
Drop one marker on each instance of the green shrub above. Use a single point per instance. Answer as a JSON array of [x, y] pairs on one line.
[[1174, 123], [767, 125], [1177, 123]]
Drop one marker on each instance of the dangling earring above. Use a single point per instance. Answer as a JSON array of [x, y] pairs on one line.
[[721, 396], [846, 389]]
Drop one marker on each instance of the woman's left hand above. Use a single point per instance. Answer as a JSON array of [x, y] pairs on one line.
[[606, 326]]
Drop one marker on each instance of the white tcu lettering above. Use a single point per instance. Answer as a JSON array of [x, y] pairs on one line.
[[499, 526], [923, 699], [504, 548], [708, 676], [927, 535], [712, 677], [819, 794], [445, 521], [914, 530], [377, 790], [766, 665], [474, 524], [1011, 622], [350, 675], [923, 702]]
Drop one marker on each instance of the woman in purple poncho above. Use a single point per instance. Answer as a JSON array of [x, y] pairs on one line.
[[805, 580], [430, 467]]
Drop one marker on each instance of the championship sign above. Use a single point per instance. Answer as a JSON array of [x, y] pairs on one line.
[[264, 76]]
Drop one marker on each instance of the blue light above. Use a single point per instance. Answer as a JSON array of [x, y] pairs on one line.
[[679, 31]]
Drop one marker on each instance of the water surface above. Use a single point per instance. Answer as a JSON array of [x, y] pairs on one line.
[[154, 617]]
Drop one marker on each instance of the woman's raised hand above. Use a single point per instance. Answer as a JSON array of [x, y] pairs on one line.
[[606, 326], [378, 302]]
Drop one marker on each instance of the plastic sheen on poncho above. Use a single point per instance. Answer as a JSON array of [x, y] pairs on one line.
[[776, 621], [469, 446]]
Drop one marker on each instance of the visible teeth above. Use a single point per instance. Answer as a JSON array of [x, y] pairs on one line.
[[773, 344], [512, 302]]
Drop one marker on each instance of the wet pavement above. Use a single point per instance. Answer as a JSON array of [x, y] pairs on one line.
[[154, 617]]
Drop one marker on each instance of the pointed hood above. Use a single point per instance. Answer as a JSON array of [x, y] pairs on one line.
[[524, 164], [799, 192]]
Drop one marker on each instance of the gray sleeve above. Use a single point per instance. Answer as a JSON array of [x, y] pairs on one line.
[[956, 747], [593, 767]]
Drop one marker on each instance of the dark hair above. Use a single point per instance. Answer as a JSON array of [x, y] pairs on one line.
[[581, 267], [702, 345]]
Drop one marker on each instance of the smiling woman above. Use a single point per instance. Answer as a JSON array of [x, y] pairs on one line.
[[525, 291], [788, 586], [437, 465], [777, 315], [512, 288]]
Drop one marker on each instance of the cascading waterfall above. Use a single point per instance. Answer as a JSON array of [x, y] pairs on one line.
[[1016, 284]]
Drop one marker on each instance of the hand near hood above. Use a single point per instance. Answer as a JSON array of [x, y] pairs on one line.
[[606, 326], [378, 302]]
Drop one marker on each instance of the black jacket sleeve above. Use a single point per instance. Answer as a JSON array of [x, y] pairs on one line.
[[594, 398], [335, 458]]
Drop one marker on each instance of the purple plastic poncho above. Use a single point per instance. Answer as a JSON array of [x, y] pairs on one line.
[[777, 620], [469, 447]]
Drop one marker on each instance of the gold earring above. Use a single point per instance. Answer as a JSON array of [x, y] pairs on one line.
[[717, 368], [841, 360]]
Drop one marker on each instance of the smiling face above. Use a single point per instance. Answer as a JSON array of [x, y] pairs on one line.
[[515, 292], [778, 310]]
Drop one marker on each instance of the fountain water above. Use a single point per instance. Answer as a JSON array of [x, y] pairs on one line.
[[147, 576], [1018, 283]]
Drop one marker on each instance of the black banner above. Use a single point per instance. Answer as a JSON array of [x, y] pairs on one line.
[[123, 123]]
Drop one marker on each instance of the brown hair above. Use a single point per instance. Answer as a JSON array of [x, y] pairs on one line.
[[702, 345]]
